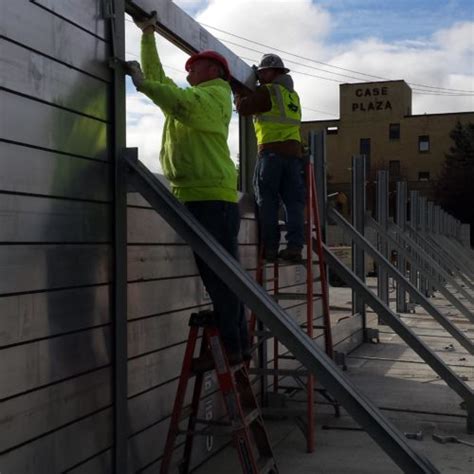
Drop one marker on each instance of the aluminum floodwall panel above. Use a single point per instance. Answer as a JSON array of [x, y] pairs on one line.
[[56, 259]]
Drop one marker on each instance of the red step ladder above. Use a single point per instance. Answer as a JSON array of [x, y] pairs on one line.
[[245, 420], [314, 248]]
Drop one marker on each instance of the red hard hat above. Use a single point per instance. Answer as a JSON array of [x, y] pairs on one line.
[[212, 55]]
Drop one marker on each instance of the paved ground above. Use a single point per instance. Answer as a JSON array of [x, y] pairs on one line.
[[406, 390]]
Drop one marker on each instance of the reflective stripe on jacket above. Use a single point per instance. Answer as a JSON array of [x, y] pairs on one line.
[[283, 121]]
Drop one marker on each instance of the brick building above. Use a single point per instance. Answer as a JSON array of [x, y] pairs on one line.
[[376, 120]]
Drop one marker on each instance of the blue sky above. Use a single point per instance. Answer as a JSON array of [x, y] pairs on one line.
[[399, 20]]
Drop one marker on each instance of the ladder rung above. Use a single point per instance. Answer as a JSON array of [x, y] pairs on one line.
[[289, 412], [203, 421], [291, 296], [282, 372], [186, 412], [252, 416]]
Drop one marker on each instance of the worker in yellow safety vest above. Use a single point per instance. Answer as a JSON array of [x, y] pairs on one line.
[[279, 173], [196, 160]]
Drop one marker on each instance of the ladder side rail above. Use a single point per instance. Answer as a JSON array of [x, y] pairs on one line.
[[359, 407], [178, 404], [318, 245], [309, 300]]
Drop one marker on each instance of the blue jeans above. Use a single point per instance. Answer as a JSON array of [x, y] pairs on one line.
[[222, 220], [277, 176]]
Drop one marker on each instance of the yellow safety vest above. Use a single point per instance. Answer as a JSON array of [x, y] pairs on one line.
[[283, 121]]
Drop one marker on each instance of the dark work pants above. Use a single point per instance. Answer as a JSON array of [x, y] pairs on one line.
[[222, 220], [277, 176]]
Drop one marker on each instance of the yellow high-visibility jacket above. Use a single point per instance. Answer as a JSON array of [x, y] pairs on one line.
[[194, 153]]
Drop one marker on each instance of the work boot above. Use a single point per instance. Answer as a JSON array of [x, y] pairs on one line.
[[291, 254]]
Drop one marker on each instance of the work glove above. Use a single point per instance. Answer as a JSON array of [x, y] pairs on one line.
[[133, 69], [145, 22]]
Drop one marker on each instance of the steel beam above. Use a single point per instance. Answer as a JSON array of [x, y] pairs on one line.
[[382, 218], [444, 258], [443, 248], [116, 15], [417, 295], [277, 320], [414, 249], [188, 35], [424, 272], [413, 221], [358, 205], [401, 219], [317, 143], [406, 333]]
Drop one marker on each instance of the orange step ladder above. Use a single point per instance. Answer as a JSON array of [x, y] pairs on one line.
[[245, 421], [313, 238]]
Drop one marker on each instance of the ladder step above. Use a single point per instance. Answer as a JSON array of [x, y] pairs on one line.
[[252, 416], [286, 412], [290, 296], [186, 412], [282, 372]]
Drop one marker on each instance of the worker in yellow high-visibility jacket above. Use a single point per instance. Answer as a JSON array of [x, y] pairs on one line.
[[196, 160], [279, 173]]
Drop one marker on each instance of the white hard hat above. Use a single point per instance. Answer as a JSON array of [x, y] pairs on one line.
[[272, 61]]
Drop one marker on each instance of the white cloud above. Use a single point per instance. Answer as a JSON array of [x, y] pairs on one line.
[[300, 26]]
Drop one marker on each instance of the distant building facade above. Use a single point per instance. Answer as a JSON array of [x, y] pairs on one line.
[[376, 120]]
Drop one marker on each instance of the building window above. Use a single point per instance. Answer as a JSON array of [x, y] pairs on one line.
[[394, 168], [332, 130], [394, 131], [364, 149], [424, 143], [423, 176]]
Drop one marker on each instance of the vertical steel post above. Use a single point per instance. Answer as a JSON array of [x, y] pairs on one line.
[[422, 229], [382, 218], [317, 142], [414, 225], [401, 220], [247, 154], [358, 206], [120, 356], [430, 231]]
